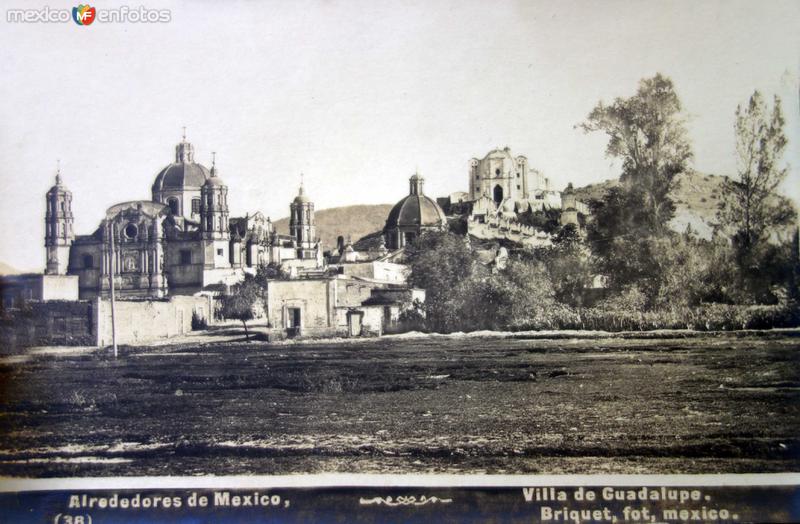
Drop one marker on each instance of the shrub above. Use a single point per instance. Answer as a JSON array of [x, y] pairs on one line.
[[198, 322]]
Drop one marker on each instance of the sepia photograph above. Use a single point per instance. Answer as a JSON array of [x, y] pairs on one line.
[[540, 256]]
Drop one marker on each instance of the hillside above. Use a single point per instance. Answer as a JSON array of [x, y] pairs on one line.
[[696, 198], [350, 221], [5, 269]]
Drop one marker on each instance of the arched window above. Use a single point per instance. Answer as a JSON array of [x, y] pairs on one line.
[[173, 205]]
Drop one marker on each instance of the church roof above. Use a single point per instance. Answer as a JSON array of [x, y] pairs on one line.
[[184, 173], [301, 197], [500, 153], [59, 186], [181, 175], [213, 179], [416, 210]]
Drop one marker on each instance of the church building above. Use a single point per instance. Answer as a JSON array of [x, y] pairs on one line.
[[509, 185], [180, 242], [413, 215]]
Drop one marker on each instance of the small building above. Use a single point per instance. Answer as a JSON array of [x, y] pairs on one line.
[[335, 306], [16, 290]]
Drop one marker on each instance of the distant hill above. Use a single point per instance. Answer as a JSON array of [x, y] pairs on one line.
[[5, 269], [350, 221], [696, 197]]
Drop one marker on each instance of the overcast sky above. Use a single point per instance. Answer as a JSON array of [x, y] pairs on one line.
[[359, 94]]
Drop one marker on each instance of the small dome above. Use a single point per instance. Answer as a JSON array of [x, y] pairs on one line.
[[301, 197], [214, 180], [59, 186]]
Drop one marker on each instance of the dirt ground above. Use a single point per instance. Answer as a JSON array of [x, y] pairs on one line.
[[703, 404]]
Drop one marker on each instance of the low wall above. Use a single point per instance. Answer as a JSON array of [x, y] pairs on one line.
[[496, 229], [383, 271], [62, 323], [18, 289], [147, 320]]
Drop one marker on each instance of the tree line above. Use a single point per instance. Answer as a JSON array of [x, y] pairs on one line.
[[647, 270]]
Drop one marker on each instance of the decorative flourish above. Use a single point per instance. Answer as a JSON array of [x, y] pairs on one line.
[[403, 500]]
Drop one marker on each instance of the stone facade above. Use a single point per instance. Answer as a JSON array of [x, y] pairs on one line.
[[501, 177], [503, 186]]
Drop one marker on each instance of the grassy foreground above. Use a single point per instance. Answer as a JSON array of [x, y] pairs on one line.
[[724, 403]]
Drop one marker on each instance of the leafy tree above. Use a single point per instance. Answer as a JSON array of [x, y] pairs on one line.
[[519, 297], [462, 294], [647, 132], [568, 266], [271, 271], [242, 301], [446, 268], [547, 220], [621, 241], [690, 271], [751, 210]]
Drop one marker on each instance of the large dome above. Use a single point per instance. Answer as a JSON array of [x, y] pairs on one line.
[[182, 174], [416, 210]]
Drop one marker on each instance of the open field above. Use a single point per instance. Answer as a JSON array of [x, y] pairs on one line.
[[725, 403]]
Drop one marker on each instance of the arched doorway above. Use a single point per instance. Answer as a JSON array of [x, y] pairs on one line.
[[498, 194]]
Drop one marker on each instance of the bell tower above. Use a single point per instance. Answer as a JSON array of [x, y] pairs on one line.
[[214, 219], [301, 224], [58, 225], [214, 206]]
